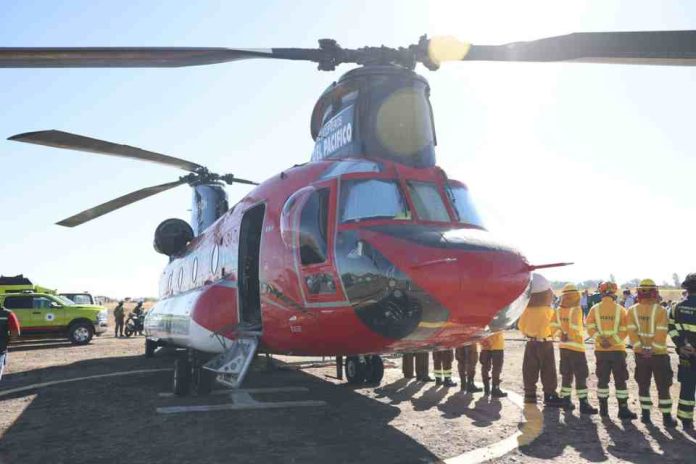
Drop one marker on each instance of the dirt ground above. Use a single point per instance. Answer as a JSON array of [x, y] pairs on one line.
[[116, 418]]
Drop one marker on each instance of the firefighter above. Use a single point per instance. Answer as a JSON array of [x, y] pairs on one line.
[[422, 366], [467, 357], [682, 329], [606, 323], [119, 317], [647, 330], [9, 325], [568, 324], [492, 357], [442, 365], [539, 360]]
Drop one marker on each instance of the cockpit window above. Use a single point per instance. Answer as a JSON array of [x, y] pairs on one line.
[[313, 228], [372, 199], [463, 206], [350, 166], [428, 202]]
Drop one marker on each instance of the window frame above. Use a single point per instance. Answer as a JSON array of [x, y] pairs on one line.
[[444, 200]]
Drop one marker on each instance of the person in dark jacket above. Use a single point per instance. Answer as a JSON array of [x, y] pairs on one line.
[[9, 325], [682, 330]]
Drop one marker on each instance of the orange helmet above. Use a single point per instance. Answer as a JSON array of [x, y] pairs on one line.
[[647, 290], [608, 288]]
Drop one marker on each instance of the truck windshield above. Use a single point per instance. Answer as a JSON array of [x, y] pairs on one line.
[[464, 207], [372, 199], [64, 300]]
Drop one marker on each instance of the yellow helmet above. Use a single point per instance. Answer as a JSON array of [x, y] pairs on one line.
[[647, 290], [567, 288]]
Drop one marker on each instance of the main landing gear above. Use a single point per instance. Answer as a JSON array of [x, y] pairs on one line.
[[189, 374], [364, 369]]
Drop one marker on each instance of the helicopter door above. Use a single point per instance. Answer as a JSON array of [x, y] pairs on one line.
[[313, 237], [248, 271]]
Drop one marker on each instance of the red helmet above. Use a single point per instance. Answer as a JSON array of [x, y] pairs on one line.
[[608, 288]]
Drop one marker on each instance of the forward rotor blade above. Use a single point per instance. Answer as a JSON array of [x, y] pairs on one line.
[[60, 139], [673, 48], [109, 206], [230, 179], [140, 57]]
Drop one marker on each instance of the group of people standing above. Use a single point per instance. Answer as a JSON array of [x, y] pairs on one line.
[[646, 325], [491, 359]]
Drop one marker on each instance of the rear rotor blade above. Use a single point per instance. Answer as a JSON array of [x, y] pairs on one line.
[[139, 57], [109, 206], [60, 139], [675, 48]]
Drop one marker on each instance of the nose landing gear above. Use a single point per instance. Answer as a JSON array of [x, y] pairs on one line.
[[364, 369]]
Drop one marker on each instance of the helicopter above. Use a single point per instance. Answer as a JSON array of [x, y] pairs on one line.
[[369, 248]]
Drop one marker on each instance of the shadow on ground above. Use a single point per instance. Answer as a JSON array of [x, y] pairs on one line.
[[115, 420]]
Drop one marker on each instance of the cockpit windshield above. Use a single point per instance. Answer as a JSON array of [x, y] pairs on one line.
[[428, 202], [463, 206], [372, 199]]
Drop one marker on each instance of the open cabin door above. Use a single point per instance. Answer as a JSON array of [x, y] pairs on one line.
[[249, 289], [309, 223]]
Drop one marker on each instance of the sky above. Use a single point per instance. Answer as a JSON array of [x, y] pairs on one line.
[[569, 162]]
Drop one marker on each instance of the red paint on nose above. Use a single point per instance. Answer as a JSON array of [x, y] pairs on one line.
[[473, 278]]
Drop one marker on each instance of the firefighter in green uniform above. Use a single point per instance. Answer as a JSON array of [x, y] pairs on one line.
[[119, 317], [682, 329]]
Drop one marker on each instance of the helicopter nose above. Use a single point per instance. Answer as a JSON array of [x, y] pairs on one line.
[[475, 281]]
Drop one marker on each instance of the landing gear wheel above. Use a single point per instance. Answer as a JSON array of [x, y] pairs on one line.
[[182, 375], [150, 347], [80, 333], [355, 370], [374, 369], [204, 381]]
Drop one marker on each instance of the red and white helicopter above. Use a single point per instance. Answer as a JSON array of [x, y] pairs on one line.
[[367, 249]]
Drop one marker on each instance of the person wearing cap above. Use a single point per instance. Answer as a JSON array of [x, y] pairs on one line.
[[119, 318], [492, 356], [442, 366], [467, 358], [539, 360], [682, 330], [568, 324], [606, 324], [647, 330]]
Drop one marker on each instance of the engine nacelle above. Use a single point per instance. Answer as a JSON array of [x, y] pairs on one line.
[[172, 236]]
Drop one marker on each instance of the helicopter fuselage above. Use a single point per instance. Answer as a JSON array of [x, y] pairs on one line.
[[343, 257]]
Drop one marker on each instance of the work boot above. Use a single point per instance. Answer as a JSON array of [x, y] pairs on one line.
[[471, 386], [668, 420], [426, 378], [604, 407], [530, 399], [625, 413], [449, 383], [497, 392], [645, 416], [566, 404], [438, 381], [486, 387], [553, 400], [687, 425], [586, 407]]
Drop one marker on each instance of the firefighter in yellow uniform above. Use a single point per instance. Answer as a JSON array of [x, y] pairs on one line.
[[569, 328], [539, 360], [442, 366], [492, 349], [647, 330], [606, 323]]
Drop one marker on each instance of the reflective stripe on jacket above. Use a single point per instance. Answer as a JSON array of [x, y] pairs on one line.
[[608, 319], [569, 321], [647, 327]]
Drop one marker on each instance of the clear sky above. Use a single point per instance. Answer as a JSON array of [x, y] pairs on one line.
[[571, 162]]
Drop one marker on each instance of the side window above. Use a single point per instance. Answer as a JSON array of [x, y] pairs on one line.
[[18, 302], [41, 302], [313, 228]]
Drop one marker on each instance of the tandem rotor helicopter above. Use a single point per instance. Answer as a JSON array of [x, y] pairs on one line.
[[368, 248]]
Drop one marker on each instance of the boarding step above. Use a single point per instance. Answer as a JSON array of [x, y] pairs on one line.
[[232, 364]]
